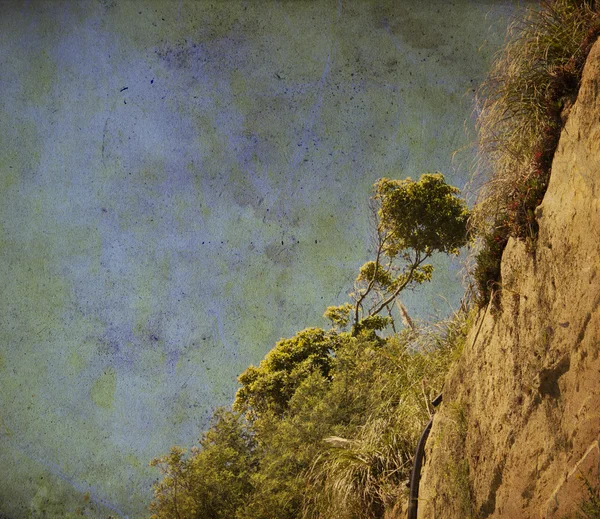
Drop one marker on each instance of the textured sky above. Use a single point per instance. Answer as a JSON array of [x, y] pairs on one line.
[[182, 184]]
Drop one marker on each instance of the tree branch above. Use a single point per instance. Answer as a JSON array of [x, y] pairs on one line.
[[358, 305], [418, 261]]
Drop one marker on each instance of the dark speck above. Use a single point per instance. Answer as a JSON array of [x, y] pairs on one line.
[[153, 337], [152, 81]]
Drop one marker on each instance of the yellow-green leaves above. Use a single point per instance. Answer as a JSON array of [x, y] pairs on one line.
[[271, 385], [372, 271], [339, 315], [211, 482], [425, 215], [415, 220]]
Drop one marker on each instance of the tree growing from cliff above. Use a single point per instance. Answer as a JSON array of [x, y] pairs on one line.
[[415, 219], [268, 457]]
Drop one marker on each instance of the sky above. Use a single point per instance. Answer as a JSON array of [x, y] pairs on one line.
[[181, 185]]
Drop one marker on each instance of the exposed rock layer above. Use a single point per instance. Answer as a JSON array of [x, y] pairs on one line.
[[528, 383]]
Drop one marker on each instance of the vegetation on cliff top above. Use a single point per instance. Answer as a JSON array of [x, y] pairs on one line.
[[326, 425], [342, 447], [521, 109]]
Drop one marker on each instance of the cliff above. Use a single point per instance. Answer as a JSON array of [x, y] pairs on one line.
[[520, 421]]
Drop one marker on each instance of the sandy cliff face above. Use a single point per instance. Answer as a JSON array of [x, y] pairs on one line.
[[521, 413]]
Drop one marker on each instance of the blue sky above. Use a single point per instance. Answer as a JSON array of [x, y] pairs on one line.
[[181, 185]]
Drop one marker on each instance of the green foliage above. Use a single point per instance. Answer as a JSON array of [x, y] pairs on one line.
[[372, 322], [487, 264], [214, 481], [339, 316], [361, 474], [341, 446], [270, 386], [329, 419], [286, 447], [425, 216], [372, 271], [522, 107], [414, 220]]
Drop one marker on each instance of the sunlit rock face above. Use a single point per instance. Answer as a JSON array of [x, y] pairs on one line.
[[182, 184], [527, 384]]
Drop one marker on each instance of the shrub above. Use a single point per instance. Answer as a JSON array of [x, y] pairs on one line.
[[521, 107], [361, 475], [215, 480], [270, 386], [487, 263]]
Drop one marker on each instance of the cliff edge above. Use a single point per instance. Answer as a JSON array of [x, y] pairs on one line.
[[520, 423]]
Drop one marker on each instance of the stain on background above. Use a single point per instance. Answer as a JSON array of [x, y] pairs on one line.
[[182, 184]]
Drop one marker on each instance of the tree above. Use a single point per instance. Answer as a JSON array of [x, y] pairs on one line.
[[270, 386], [415, 219], [214, 481], [318, 433]]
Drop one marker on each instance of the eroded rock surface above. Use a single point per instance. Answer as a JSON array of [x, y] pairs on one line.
[[528, 383]]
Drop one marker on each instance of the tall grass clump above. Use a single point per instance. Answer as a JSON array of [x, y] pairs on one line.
[[362, 476], [521, 110]]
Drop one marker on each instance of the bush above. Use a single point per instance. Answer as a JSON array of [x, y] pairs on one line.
[[215, 480], [487, 263], [361, 475], [281, 456], [270, 386], [521, 109], [336, 440]]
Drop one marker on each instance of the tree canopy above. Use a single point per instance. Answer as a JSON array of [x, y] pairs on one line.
[[415, 219], [214, 481], [271, 385]]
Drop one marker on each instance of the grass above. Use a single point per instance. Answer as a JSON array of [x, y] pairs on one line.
[[521, 110], [589, 508], [363, 476]]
